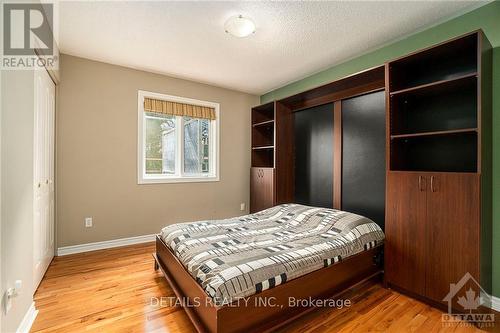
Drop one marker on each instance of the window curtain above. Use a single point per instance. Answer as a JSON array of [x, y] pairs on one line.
[[178, 109]]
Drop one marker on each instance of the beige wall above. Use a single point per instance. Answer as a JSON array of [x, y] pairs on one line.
[[96, 165], [17, 120]]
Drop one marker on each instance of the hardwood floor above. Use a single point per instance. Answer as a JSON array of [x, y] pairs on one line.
[[112, 291]]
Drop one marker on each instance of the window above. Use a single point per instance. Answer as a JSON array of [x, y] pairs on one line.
[[178, 139]]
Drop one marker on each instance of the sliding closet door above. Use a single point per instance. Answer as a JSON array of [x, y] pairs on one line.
[[314, 156], [363, 156]]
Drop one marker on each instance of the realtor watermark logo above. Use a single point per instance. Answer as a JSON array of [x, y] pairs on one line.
[[28, 36], [468, 296]]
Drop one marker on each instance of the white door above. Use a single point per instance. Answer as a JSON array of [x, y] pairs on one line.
[[43, 174]]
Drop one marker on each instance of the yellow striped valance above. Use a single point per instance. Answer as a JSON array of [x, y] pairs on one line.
[[178, 109]]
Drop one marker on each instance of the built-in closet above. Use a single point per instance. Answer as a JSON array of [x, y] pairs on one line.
[[307, 147], [409, 145]]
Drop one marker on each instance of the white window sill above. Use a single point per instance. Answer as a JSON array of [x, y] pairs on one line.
[[173, 180]]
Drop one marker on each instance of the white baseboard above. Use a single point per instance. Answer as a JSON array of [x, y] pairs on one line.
[[65, 250], [491, 301], [495, 303], [28, 319]]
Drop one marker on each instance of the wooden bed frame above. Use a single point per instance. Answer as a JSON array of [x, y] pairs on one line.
[[250, 315]]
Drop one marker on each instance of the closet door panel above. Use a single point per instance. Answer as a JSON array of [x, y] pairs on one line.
[[405, 231], [314, 156], [453, 216], [44, 131], [363, 156]]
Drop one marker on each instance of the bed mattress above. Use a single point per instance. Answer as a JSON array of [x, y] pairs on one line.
[[242, 256]]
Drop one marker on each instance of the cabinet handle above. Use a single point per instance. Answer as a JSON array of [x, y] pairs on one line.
[[420, 181], [432, 184]]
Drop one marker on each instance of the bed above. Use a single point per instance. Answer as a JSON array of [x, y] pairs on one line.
[[249, 273]]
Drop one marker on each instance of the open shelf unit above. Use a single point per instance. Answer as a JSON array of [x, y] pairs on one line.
[[433, 108], [450, 152], [263, 135], [447, 61]]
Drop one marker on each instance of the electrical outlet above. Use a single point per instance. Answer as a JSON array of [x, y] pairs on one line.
[[18, 285], [88, 222], [242, 206]]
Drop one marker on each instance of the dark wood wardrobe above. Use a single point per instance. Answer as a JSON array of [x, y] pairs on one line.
[[438, 201], [420, 166]]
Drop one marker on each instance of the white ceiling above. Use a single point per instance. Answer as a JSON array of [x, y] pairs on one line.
[[187, 39]]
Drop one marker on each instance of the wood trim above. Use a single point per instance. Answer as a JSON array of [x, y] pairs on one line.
[[339, 95], [262, 147], [275, 138], [284, 154], [337, 155], [480, 76], [435, 133], [485, 152], [240, 317], [263, 123], [387, 123], [359, 78]]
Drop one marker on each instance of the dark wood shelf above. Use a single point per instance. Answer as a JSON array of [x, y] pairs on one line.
[[262, 147], [262, 123], [263, 113], [434, 133], [434, 84]]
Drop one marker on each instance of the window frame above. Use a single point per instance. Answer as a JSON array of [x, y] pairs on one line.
[[179, 176]]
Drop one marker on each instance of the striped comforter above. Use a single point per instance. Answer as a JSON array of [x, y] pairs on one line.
[[241, 256]]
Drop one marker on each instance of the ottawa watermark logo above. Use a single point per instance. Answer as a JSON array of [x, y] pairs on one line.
[[468, 304], [28, 36]]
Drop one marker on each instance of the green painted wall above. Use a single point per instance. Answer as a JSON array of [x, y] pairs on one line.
[[487, 18]]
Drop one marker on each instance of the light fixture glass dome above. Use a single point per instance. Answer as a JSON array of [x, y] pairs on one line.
[[239, 26]]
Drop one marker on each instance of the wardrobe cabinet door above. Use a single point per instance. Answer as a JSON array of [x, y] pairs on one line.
[[453, 221], [363, 147], [261, 189], [314, 156], [405, 230]]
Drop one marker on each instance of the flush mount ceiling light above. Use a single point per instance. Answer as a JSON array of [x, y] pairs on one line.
[[239, 26]]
